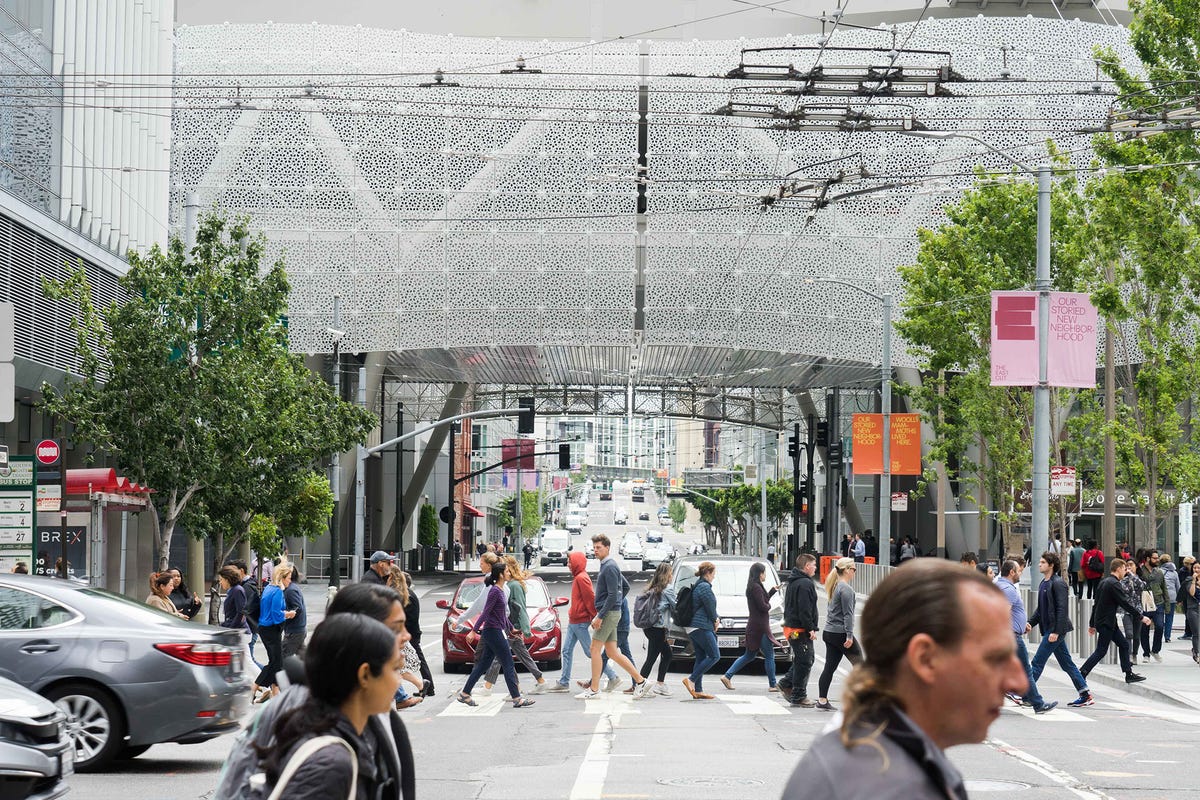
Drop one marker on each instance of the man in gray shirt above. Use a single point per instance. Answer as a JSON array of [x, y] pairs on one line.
[[940, 658], [611, 587]]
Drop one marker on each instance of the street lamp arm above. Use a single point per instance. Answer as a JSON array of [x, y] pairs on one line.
[[956, 135], [838, 281]]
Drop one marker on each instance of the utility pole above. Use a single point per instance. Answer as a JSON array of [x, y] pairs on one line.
[[811, 447], [448, 555], [794, 540], [335, 479]]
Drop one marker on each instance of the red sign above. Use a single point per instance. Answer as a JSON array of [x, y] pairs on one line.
[[47, 452], [517, 453]]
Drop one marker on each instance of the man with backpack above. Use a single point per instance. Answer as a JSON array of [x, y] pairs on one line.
[[253, 604], [800, 628], [1093, 568]]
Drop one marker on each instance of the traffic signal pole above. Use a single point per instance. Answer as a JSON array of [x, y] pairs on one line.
[[798, 497]]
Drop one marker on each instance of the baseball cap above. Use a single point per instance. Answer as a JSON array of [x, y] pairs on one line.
[[380, 555]]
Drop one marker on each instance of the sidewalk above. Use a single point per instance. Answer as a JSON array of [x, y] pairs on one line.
[[1175, 681]]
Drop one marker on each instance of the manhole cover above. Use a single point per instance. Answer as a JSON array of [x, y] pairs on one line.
[[996, 786], [711, 783]]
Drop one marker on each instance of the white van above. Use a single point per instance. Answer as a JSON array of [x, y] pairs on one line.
[[574, 522], [556, 544]]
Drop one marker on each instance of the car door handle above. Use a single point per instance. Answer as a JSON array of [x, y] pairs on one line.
[[39, 648]]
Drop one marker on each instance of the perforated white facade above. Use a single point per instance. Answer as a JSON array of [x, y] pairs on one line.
[[488, 231]]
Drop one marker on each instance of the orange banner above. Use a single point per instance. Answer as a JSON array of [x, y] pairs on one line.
[[867, 434], [906, 444]]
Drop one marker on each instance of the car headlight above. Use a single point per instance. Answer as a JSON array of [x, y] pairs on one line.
[[544, 624]]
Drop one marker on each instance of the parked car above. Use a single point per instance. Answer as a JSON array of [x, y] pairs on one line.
[[588, 549], [644, 516], [545, 645], [656, 554], [729, 585], [653, 536], [36, 753], [127, 676]]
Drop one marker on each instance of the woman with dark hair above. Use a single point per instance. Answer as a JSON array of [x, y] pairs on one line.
[[703, 630], [758, 628], [185, 600], [160, 593], [519, 617], [493, 626], [663, 598], [352, 671], [233, 611]]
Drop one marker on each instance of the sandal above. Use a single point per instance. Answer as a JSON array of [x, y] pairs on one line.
[[466, 700], [524, 702]]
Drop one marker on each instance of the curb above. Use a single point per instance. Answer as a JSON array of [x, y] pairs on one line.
[[1144, 688]]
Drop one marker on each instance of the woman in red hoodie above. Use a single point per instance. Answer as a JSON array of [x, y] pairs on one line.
[[579, 618], [1091, 574]]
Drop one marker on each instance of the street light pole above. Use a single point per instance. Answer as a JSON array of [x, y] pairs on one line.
[[885, 391], [1040, 523]]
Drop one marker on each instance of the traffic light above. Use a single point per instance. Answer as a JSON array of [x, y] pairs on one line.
[[800, 501], [822, 433], [834, 451], [564, 456], [793, 447], [525, 416]]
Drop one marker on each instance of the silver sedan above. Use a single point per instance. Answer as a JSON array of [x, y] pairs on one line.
[[127, 676]]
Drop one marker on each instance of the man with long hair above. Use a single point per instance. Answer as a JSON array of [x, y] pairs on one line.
[[940, 657]]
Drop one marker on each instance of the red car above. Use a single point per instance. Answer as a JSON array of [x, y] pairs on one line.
[[545, 645]]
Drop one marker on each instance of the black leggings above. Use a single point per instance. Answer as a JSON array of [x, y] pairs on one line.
[[656, 648], [272, 639], [834, 650]]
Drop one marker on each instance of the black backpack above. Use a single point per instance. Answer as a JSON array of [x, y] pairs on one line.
[[684, 608], [1095, 564]]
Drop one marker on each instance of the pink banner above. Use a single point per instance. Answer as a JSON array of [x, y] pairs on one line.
[[1014, 339], [1071, 345], [1071, 360]]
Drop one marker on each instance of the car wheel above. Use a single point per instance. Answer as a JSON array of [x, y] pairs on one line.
[[132, 751], [93, 722]]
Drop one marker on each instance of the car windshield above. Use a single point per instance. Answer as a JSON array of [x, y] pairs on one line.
[[132, 606], [730, 577], [535, 594]]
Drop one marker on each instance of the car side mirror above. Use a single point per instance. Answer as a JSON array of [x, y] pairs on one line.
[[443, 604], [561, 601]]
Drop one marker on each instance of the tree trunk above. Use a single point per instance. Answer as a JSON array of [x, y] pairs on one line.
[[1108, 533]]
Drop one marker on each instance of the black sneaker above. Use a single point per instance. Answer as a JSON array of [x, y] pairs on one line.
[[1046, 707], [824, 706], [1133, 677]]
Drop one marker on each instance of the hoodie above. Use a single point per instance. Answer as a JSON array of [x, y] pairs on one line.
[[583, 595]]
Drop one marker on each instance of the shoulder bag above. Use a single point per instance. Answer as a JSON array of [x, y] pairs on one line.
[[302, 754]]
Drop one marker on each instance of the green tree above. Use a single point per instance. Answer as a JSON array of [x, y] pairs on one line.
[[189, 386], [987, 243], [427, 526], [532, 513], [678, 513]]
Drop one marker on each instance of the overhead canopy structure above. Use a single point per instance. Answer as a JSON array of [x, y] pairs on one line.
[[620, 213]]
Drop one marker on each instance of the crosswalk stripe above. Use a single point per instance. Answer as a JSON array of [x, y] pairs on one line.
[[753, 705], [1059, 714], [488, 707]]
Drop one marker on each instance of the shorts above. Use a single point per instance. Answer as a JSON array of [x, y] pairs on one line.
[[608, 627]]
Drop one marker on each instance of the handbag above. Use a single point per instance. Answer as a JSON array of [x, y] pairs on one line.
[[1148, 603], [303, 752]]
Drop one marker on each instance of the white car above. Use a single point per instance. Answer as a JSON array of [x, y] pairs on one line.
[[656, 554], [632, 547]]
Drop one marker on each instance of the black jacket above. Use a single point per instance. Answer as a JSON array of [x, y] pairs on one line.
[[800, 602], [1052, 616], [1110, 596]]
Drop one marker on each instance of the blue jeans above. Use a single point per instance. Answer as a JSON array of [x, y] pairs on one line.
[[768, 651], [1168, 621], [1032, 696], [581, 633], [493, 644], [1065, 662], [704, 641]]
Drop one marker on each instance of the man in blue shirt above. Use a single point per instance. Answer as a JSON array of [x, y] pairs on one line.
[[1010, 573], [860, 548], [295, 630]]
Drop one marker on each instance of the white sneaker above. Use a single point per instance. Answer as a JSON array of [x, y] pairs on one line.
[[538, 688], [587, 694], [613, 684], [483, 690], [1156, 657], [642, 690], [661, 689]]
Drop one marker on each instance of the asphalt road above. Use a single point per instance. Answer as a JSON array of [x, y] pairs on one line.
[[743, 744]]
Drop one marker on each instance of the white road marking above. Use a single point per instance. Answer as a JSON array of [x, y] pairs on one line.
[[752, 705], [1067, 781], [1057, 715], [1149, 761], [1182, 717], [589, 781], [488, 707]]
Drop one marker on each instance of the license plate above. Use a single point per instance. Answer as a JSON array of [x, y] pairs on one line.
[[729, 641], [236, 663]]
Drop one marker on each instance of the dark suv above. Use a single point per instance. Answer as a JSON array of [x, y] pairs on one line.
[[729, 585]]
